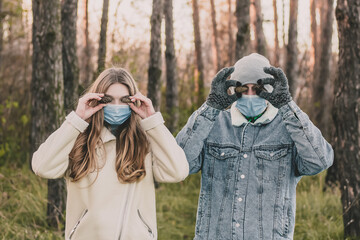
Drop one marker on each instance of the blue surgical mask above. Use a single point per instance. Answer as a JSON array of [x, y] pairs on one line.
[[115, 115], [251, 105]]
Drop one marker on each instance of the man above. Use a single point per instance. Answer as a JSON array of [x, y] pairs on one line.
[[252, 156]]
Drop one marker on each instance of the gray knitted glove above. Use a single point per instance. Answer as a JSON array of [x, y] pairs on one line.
[[218, 97], [281, 94]]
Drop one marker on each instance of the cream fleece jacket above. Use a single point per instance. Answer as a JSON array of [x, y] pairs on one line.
[[105, 208]]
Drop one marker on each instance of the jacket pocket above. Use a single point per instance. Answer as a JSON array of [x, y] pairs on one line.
[[284, 219], [222, 160], [147, 226], [271, 162], [73, 230]]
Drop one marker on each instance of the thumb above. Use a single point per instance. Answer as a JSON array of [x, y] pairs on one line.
[[97, 108]]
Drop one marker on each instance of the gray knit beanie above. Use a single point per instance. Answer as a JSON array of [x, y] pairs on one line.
[[250, 68]]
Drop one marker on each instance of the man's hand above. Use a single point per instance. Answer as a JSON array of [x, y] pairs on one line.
[[280, 96], [218, 97]]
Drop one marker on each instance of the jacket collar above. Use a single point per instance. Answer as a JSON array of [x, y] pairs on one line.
[[237, 119], [106, 135]]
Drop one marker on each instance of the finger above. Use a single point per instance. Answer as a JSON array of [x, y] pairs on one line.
[[137, 96], [98, 107], [264, 95], [142, 98], [264, 81], [259, 90], [229, 71], [94, 95], [271, 70], [134, 108], [223, 74], [281, 75], [234, 97], [90, 96], [231, 83]]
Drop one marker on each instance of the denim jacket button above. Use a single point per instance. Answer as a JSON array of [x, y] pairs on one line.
[[242, 176], [240, 199], [237, 225], [271, 154], [245, 155], [222, 154]]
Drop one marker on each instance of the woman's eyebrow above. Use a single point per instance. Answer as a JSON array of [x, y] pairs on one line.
[[108, 95]]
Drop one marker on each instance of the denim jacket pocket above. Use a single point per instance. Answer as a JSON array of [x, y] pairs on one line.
[[271, 162], [223, 158], [285, 219]]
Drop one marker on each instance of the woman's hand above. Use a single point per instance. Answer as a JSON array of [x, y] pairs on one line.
[[146, 109], [84, 110]]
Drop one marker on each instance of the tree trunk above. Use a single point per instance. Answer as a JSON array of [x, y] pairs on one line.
[[346, 113], [1, 32], [323, 77], [102, 41], [87, 76], [172, 103], [291, 48], [215, 43], [243, 24], [314, 55], [314, 40], [47, 92], [321, 97], [259, 32], [283, 22], [154, 72], [276, 60], [231, 41], [199, 61], [116, 21], [69, 57]]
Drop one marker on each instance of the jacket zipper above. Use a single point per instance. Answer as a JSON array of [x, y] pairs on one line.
[[144, 222], [77, 224]]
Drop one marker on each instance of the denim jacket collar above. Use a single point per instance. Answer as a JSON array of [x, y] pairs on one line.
[[237, 119]]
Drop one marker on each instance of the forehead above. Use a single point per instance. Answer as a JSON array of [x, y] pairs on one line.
[[117, 90]]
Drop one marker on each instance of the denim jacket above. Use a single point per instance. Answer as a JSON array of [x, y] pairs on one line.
[[249, 171]]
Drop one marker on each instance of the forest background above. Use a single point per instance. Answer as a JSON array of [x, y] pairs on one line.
[[51, 51]]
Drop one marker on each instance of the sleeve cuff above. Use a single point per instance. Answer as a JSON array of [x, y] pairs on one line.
[[289, 109], [152, 121], [77, 122]]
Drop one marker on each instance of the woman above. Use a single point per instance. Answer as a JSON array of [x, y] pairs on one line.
[[110, 154]]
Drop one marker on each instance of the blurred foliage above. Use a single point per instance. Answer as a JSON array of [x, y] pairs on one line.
[[23, 205], [176, 208], [23, 208], [14, 132]]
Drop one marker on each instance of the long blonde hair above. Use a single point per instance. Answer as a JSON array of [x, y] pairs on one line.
[[131, 142]]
